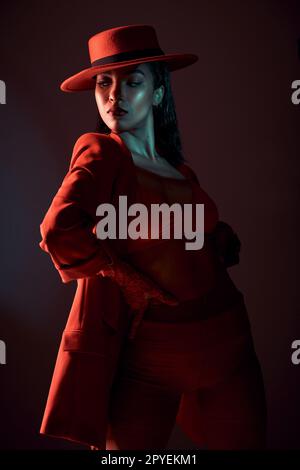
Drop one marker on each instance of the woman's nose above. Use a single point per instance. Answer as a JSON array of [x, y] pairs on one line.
[[116, 93]]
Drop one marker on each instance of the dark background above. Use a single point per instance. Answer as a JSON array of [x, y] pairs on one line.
[[239, 133]]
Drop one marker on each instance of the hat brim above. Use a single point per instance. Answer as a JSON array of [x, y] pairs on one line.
[[85, 80]]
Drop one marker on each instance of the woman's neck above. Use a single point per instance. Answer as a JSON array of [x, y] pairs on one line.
[[141, 144]]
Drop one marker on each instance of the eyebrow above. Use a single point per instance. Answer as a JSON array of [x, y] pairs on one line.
[[138, 71], [129, 73]]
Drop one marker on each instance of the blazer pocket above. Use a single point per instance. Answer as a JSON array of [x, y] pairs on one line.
[[80, 341]]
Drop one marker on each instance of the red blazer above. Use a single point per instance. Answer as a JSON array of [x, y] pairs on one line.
[[101, 169]]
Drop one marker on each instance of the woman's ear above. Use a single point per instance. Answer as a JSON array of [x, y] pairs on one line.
[[158, 95]]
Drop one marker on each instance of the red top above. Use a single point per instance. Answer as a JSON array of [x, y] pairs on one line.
[[187, 274]]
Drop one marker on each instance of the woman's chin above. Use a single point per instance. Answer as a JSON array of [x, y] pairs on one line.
[[118, 126]]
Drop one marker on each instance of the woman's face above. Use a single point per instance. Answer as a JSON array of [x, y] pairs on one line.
[[131, 89]]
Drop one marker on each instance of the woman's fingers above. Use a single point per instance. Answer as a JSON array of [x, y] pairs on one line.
[[164, 297]]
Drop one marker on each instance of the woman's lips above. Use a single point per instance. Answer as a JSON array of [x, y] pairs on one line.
[[118, 114]]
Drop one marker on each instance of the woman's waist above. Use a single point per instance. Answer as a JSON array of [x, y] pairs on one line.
[[223, 296], [185, 274]]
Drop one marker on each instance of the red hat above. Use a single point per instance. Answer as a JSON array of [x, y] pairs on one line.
[[120, 47]]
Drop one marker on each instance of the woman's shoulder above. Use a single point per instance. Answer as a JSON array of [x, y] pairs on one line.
[[188, 171], [94, 142], [93, 149]]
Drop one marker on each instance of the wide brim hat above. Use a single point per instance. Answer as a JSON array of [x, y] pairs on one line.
[[120, 47]]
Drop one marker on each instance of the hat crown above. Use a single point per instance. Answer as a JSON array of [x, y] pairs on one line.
[[122, 39], [123, 46]]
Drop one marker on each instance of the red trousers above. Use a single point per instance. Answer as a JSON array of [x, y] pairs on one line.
[[201, 372]]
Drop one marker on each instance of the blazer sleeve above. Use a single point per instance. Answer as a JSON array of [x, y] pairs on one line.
[[67, 229], [228, 244]]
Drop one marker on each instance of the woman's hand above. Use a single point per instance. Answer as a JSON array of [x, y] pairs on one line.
[[138, 289]]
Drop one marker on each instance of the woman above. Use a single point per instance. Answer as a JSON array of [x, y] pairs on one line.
[[157, 334]]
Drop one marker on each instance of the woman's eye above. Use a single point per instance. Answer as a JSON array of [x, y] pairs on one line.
[[102, 84], [134, 83]]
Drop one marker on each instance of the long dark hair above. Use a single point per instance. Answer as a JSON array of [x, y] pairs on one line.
[[166, 132]]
